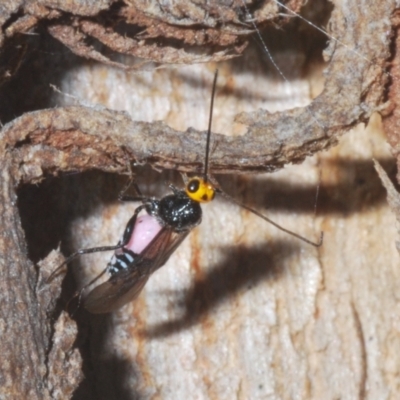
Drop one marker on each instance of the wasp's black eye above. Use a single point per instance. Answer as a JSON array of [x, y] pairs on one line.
[[193, 186]]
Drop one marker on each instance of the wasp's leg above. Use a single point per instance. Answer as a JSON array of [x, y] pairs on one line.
[[125, 239]]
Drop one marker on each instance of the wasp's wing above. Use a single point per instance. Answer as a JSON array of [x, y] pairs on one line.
[[124, 287], [116, 292]]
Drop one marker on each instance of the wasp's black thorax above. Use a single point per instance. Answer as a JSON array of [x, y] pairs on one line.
[[177, 211]]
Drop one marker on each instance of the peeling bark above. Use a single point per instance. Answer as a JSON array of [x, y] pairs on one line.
[[354, 89], [52, 141]]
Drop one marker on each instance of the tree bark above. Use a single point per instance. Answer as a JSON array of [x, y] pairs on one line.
[[241, 310]]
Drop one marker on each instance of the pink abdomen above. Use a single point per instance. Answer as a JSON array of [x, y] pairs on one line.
[[145, 230]]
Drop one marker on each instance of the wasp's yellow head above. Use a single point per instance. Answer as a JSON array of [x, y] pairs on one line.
[[198, 189]]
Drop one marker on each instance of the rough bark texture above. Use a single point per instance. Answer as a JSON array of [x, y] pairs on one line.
[[392, 122], [240, 311], [21, 316], [353, 90]]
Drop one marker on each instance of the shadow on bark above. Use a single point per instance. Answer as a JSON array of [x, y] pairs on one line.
[[241, 270]]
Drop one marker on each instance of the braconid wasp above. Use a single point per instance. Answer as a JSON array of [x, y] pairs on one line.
[[150, 238]]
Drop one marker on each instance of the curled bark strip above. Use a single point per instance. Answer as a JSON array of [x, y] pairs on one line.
[[67, 139], [354, 86], [175, 32], [354, 89], [80, 138], [188, 36], [75, 40]]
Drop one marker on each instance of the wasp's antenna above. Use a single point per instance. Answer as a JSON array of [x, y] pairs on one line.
[[302, 238], [209, 127]]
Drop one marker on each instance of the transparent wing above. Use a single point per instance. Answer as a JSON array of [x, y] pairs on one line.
[[125, 286], [116, 292]]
